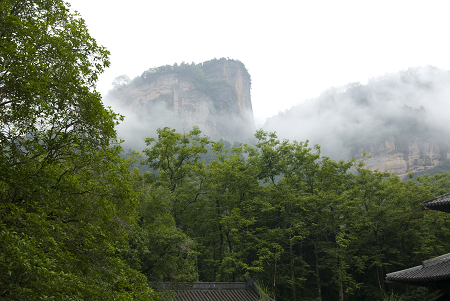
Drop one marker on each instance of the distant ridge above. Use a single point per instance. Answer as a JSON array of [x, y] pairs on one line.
[[401, 119]]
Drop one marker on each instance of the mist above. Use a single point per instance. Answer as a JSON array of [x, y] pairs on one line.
[[139, 125], [213, 95], [410, 104], [345, 120]]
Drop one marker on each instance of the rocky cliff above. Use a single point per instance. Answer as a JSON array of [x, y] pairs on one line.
[[400, 119], [405, 154], [214, 95]]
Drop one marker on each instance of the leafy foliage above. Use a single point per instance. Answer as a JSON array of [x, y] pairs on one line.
[[304, 225], [66, 201], [77, 224], [157, 248]]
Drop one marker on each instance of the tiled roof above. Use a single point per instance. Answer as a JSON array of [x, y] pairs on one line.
[[434, 269], [441, 203], [219, 291]]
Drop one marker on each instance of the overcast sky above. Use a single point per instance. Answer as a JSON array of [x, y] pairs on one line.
[[293, 49]]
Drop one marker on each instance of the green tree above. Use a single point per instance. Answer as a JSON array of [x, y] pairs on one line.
[[205, 196], [158, 248], [391, 231], [66, 204], [230, 184], [305, 226], [177, 159], [308, 194]]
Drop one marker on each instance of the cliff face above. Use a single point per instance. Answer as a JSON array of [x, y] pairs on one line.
[[214, 95], [406, 154], [401, 119], [238, 77], [176, 93]]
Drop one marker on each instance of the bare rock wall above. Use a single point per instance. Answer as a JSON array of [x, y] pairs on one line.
[[406, 154]]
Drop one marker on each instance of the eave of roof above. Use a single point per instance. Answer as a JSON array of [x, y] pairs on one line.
[[435, 269], [440, 203], [217, 295]]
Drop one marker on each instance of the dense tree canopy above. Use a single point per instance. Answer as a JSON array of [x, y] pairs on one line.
[[307, 227], [66, 203], [77, 224]]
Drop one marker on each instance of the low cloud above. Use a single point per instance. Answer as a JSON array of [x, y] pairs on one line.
[[414, 102]]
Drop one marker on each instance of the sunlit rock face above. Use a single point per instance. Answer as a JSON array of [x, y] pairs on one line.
[[406, 154], [214, 95]]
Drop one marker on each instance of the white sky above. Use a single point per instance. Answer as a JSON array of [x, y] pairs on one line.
[[293, 49]]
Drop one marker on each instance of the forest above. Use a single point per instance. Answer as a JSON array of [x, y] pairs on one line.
[[79, 221], [305, 226]]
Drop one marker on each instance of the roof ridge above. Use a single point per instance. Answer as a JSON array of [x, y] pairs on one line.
[[403, 271], [436, 260], [434, 199]]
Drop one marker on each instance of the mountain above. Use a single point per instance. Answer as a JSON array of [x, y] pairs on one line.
[[400, 119], [214, 95]]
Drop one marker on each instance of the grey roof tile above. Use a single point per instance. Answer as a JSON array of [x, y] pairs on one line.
[[434, 269], [441, 203], [219, 291], [217, 295]]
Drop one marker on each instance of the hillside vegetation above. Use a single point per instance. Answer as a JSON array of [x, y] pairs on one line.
[[305, 226], [408, 104], [78, 222]]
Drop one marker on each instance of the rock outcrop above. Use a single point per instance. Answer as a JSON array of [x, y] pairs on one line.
[[405, 154], [214, 95], [400, 119]]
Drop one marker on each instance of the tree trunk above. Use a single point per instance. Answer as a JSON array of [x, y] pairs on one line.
[[294, 293], [379, 269], [221, 248], [381, 280], [274, 274], [319, 289], [341, 286]]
